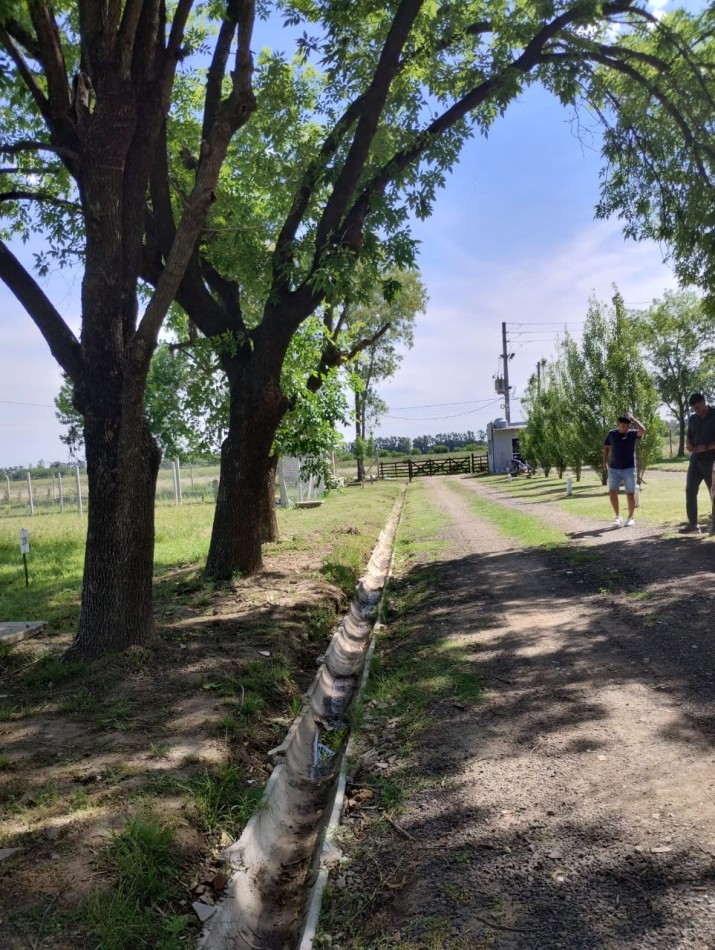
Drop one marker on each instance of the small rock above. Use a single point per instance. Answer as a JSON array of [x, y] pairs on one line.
[[219, 882], [203, 911], [661, 849], [7, 853]]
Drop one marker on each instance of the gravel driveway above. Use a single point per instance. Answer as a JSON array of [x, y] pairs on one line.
[[572, 807]]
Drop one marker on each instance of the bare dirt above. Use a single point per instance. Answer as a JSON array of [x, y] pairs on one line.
[[572, 807], [133, 732]]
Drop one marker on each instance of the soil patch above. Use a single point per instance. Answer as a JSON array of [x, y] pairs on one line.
[[179, 728]]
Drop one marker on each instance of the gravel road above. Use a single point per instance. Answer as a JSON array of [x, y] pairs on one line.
[[573, 806]]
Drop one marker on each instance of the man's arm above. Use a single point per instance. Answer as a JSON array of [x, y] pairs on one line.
[[689, 446], [640, 428], [606, 453]]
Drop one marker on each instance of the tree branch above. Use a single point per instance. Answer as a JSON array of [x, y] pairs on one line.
[[39, 196], [233, 112], [375, 97], [26, 74], [15, 148], [62, 342], [127, 35], [52, 59], [217, 71]]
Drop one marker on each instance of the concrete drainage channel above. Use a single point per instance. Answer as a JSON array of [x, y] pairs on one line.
[[278, 863]]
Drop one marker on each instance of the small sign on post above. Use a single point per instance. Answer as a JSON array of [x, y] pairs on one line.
[[25, 550]]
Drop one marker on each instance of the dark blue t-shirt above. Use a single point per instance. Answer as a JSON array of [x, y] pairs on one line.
[[623, 448]]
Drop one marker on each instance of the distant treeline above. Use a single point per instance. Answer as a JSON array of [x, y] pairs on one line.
[[423, 444], [43, 470]]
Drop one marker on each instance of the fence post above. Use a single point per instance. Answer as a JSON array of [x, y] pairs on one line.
[[176, 484], [177, 465], [79, 489], [409, 469], [62, 497], [29, 494], [191, 476], [7, 479]]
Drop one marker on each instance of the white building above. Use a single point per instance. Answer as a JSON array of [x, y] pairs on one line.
[[502, 443]]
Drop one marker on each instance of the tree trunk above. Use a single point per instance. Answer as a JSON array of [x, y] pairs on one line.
[[269, 522], [359, 437], [681, 433], [116, 608], [256, 409]]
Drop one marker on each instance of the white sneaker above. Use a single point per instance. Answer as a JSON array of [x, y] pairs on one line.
[[630, 523], [617, 521]]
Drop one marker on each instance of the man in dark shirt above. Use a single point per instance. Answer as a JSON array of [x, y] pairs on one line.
[[700, 442], [619, 462]]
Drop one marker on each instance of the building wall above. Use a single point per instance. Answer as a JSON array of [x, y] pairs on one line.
[[500, 446]]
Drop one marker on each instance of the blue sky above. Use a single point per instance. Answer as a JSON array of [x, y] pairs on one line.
[[513, 238]]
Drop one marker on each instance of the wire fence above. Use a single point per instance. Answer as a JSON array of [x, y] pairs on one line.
[[178, 483]]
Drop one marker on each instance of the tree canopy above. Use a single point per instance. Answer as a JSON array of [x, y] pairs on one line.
[[585, 391], [677, 335]]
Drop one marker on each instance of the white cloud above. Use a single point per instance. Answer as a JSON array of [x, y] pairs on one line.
[[458, 341]]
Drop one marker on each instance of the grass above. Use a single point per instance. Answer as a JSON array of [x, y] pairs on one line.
[[662, 495], [137, 911], [220, 798], [528, 529], [178, 729], [344, 528]]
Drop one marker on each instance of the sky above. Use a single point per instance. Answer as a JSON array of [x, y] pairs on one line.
[[512, 239]]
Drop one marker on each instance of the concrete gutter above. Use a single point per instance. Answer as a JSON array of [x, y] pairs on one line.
[[281, 853]]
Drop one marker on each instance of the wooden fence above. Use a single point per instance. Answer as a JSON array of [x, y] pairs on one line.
[[451, 465]]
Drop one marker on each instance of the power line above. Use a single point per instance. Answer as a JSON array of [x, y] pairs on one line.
[[40, 405], [456, 415], [437, 405]]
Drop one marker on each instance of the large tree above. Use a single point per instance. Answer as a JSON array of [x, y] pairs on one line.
[[121, 163], [86, 88], [677, 333]]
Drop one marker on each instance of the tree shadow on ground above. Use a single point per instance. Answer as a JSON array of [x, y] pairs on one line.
[[547, 874]]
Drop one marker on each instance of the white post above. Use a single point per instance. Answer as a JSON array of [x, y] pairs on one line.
[[7, 479], [569, 486], [54, 491], [176, 483], [178, 479], [29, 494], [283, 488], [79, 490], [191, 476], [62, 496]]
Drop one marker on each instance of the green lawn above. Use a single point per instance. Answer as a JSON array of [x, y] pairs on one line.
[[662, 495], [349, 521]]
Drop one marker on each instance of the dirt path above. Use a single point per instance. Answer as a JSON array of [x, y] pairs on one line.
[[574, 807]]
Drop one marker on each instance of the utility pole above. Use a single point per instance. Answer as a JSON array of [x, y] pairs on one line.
[[539, 365], [505, 360]]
